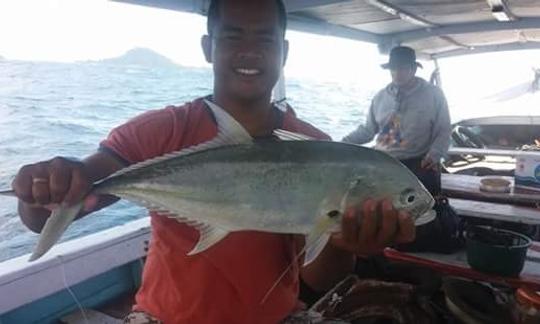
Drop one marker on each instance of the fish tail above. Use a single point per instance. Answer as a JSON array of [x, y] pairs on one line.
[[55, 226]]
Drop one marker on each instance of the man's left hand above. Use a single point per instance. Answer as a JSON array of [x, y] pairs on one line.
[[370, 228], [429, 163]]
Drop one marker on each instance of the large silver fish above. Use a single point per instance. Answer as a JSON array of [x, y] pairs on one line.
[[233, 183]]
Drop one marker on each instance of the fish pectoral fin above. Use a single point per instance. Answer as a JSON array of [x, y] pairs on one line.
[[320, 234], [209, 235], [54, 227], [313, 249], [285, 135]]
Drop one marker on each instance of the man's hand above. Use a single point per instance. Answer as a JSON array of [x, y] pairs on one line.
[[42, 186], [429, 163], [372, 227], [365, 230], [49, 183]]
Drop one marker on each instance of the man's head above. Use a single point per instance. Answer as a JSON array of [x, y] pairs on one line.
[[214, 12], [246, 45], [402, 65]]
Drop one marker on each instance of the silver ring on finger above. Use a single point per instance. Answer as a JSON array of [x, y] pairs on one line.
[[40, 180]]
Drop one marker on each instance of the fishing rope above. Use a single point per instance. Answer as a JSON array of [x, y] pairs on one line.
[[66, 286]]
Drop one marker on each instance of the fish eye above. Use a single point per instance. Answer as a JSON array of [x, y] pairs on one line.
[[333, 213], [408, 196]]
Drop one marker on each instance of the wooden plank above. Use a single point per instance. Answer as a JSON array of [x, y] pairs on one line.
[[468, 186], [492, 152], [503, 212]]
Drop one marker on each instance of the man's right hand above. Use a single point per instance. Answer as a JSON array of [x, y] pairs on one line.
[[49, 183], [42, 186]]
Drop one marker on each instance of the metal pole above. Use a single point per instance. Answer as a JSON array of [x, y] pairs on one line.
[[279, 94], [436, 75]]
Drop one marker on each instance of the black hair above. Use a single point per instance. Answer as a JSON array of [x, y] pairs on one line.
[[213, 15]]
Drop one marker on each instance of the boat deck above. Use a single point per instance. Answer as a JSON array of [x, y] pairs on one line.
[[468, 187], [112, 313], [517, 206]]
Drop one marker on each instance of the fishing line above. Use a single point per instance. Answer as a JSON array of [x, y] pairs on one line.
[[277, 281], [66, 286], [296, 258]]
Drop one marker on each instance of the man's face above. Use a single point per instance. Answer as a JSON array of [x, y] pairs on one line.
[[402, 75], [247, 49]]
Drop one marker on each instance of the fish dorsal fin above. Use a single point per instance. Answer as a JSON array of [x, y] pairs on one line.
[[208, 236], [228, 127], [230, 132], [285, 135]]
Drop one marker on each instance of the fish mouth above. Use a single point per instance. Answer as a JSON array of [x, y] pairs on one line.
[[426, 215], [425, 218]]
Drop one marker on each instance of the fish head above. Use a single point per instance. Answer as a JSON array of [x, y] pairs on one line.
[[392, 180], [417, 202]]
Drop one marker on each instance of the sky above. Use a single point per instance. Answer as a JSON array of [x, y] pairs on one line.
[[72, 30]]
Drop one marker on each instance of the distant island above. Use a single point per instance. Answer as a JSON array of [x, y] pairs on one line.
[[142, 57]]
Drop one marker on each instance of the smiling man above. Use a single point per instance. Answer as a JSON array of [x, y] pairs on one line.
[[226, 283]]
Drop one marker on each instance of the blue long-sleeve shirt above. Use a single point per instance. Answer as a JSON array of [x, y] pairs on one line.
[[408, 124]]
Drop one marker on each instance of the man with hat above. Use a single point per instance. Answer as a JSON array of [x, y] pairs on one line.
[[410, 120]]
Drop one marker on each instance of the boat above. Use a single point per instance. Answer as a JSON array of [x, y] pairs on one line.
[[89, 272], [494, 131], [77, 280]]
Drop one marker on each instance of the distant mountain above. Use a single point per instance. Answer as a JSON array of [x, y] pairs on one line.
[[142, 57]]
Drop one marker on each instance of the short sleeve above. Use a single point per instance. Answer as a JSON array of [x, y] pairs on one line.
[[142, 137]]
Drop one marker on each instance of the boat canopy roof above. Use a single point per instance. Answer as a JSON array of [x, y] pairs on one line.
[[434, 28]]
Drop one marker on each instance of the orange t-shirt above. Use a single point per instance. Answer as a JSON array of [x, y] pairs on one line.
[[225, 283]]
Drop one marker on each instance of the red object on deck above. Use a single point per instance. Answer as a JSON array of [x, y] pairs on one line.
[[527, 278]]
